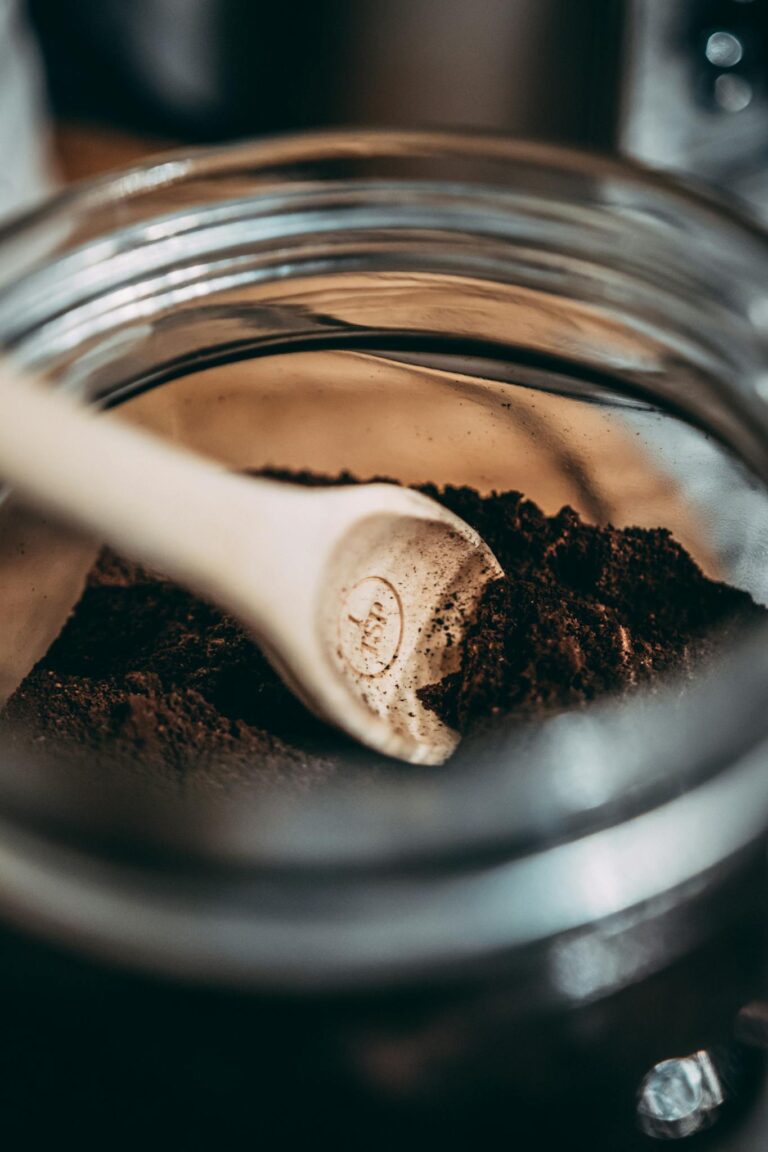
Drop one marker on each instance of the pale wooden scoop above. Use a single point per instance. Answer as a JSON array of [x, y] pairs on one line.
[[359, 594]]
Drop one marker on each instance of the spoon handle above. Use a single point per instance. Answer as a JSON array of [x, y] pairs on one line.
[[159, 504]]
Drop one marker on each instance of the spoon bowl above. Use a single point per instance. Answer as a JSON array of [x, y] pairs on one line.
[[383, 617]]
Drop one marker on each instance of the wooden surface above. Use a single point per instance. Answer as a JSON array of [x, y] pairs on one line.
[[82, 151]]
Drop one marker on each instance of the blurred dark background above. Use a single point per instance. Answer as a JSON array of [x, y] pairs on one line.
[[677, 83], [213, 69]]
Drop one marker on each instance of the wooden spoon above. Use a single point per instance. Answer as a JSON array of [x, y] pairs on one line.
[[358, 594]]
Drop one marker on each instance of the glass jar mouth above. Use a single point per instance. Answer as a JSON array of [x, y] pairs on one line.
[[297, 153], [586, 789]]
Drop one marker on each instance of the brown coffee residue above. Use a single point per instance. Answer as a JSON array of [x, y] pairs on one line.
[[148, 676]]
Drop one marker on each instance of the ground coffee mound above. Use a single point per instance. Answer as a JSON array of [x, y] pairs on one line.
[[582, 611], [145, 674]]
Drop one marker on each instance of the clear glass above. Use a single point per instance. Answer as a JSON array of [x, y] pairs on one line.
[[434, 307]]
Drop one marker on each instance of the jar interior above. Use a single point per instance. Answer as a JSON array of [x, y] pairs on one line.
[[392, 330], [425, 415]]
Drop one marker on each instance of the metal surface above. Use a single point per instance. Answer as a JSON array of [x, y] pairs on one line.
[[679, 1097], [694, 91]]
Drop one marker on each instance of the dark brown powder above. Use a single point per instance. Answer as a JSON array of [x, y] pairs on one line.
[[145, 674], [582, 611]]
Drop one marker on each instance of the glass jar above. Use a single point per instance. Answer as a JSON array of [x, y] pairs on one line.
[[545, 919]]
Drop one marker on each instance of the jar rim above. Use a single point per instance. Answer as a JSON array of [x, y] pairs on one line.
[[172, 166]]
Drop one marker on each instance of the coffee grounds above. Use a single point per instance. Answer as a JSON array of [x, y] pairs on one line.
[[145, 676], [148, 676], [581, 611]]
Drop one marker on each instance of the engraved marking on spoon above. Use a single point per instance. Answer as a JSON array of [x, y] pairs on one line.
[[371, 626]]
